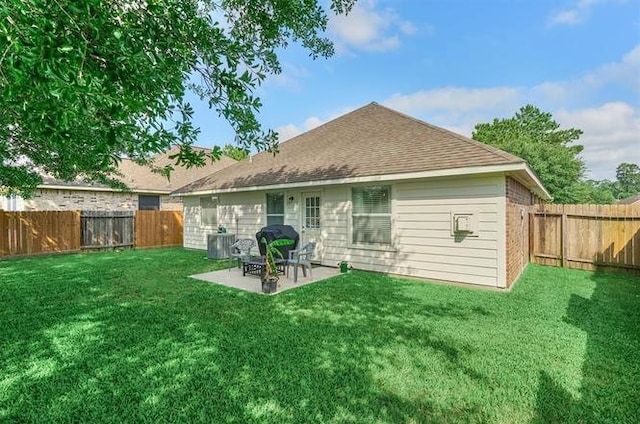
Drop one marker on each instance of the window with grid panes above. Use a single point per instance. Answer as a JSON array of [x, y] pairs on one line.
[[312, 212], [371, 215]]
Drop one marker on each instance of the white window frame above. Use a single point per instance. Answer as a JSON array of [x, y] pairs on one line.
[[313, 221], [364, 244], [266, 207], [213, 200]]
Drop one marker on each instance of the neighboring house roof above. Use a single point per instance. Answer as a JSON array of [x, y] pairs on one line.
[[368, 142], [630, 200], [141, 179]]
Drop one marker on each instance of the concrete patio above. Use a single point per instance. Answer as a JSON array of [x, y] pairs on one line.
[[233, 278]]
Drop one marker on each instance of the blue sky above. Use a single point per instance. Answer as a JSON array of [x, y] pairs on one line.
[[455, 63]]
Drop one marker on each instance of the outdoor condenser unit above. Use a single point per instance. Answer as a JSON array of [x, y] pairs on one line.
[[219, 245]]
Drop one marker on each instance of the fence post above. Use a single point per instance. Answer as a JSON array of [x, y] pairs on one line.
[[563, 238], [532, 216]]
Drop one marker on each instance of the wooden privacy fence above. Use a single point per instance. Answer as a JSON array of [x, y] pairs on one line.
[[586, 236], [31, 233], [106, 229], [158, 228]]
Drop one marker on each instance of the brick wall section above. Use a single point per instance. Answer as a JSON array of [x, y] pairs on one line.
[[519, 200], [518, 193], [82, 200], [74, 200]]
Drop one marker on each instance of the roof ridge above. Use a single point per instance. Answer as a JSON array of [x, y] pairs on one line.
[[488, 148], [315, 129]]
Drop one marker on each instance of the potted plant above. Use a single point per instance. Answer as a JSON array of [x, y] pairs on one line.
[[269, 275]]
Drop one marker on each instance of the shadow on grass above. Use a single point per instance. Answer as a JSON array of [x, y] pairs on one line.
[[610, 389], [116, 344]]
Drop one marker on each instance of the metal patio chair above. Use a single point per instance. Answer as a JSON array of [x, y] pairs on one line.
[[241, 250]]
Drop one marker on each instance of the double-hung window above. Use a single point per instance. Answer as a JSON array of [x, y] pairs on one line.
[[275, 208], [371, 215], [209, 211]]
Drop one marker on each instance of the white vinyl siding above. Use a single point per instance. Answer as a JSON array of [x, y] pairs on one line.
[[242, 214], [422, 244]]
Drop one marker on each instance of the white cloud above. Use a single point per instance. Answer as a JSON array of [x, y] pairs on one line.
[[290, 77], [290, 130], [575, 15], [611, 125], [611, 135], [580, 11], [368, 28], [624, 74], [454, 99]]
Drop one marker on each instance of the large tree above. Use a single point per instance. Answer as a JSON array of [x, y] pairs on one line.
[[550, 151], [85, 82], [627, 180]]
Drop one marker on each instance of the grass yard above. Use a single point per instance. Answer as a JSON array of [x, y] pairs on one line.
[[128, 337]]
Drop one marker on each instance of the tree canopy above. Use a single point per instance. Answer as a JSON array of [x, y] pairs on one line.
[[550, 151], [627, 180], [85, 82], [235, 152]]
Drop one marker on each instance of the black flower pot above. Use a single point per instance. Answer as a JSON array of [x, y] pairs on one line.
[[269, 283]]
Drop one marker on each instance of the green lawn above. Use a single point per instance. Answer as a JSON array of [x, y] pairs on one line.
[[127, 336]]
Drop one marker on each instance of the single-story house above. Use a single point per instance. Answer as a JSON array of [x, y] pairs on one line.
[[383, 191], [631, 200], [147, 190]]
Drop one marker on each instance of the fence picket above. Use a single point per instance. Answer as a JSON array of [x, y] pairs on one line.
[[594, 236], [32, 233]]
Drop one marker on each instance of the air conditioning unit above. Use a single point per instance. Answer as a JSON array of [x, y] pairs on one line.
[[219, 245]]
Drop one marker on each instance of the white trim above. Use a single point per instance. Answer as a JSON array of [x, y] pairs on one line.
[[266, 214], [501, 238], [539, 190], [473, 170]]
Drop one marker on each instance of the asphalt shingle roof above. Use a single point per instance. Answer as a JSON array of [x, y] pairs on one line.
[[140, 178], [372, 140]]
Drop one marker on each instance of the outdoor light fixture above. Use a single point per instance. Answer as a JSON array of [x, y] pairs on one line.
[[291, 198]]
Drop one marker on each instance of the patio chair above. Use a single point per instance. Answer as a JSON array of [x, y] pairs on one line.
[[301, 257], [241, 250]]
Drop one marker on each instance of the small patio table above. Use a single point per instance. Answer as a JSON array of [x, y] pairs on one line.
[[256, 264]]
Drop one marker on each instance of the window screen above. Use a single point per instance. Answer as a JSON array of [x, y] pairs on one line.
[[275, 208], [209, 211]]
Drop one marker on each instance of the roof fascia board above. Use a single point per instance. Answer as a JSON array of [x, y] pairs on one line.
[[540, 188]]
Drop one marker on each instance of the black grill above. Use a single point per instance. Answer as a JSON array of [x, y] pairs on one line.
[[278, 232]]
